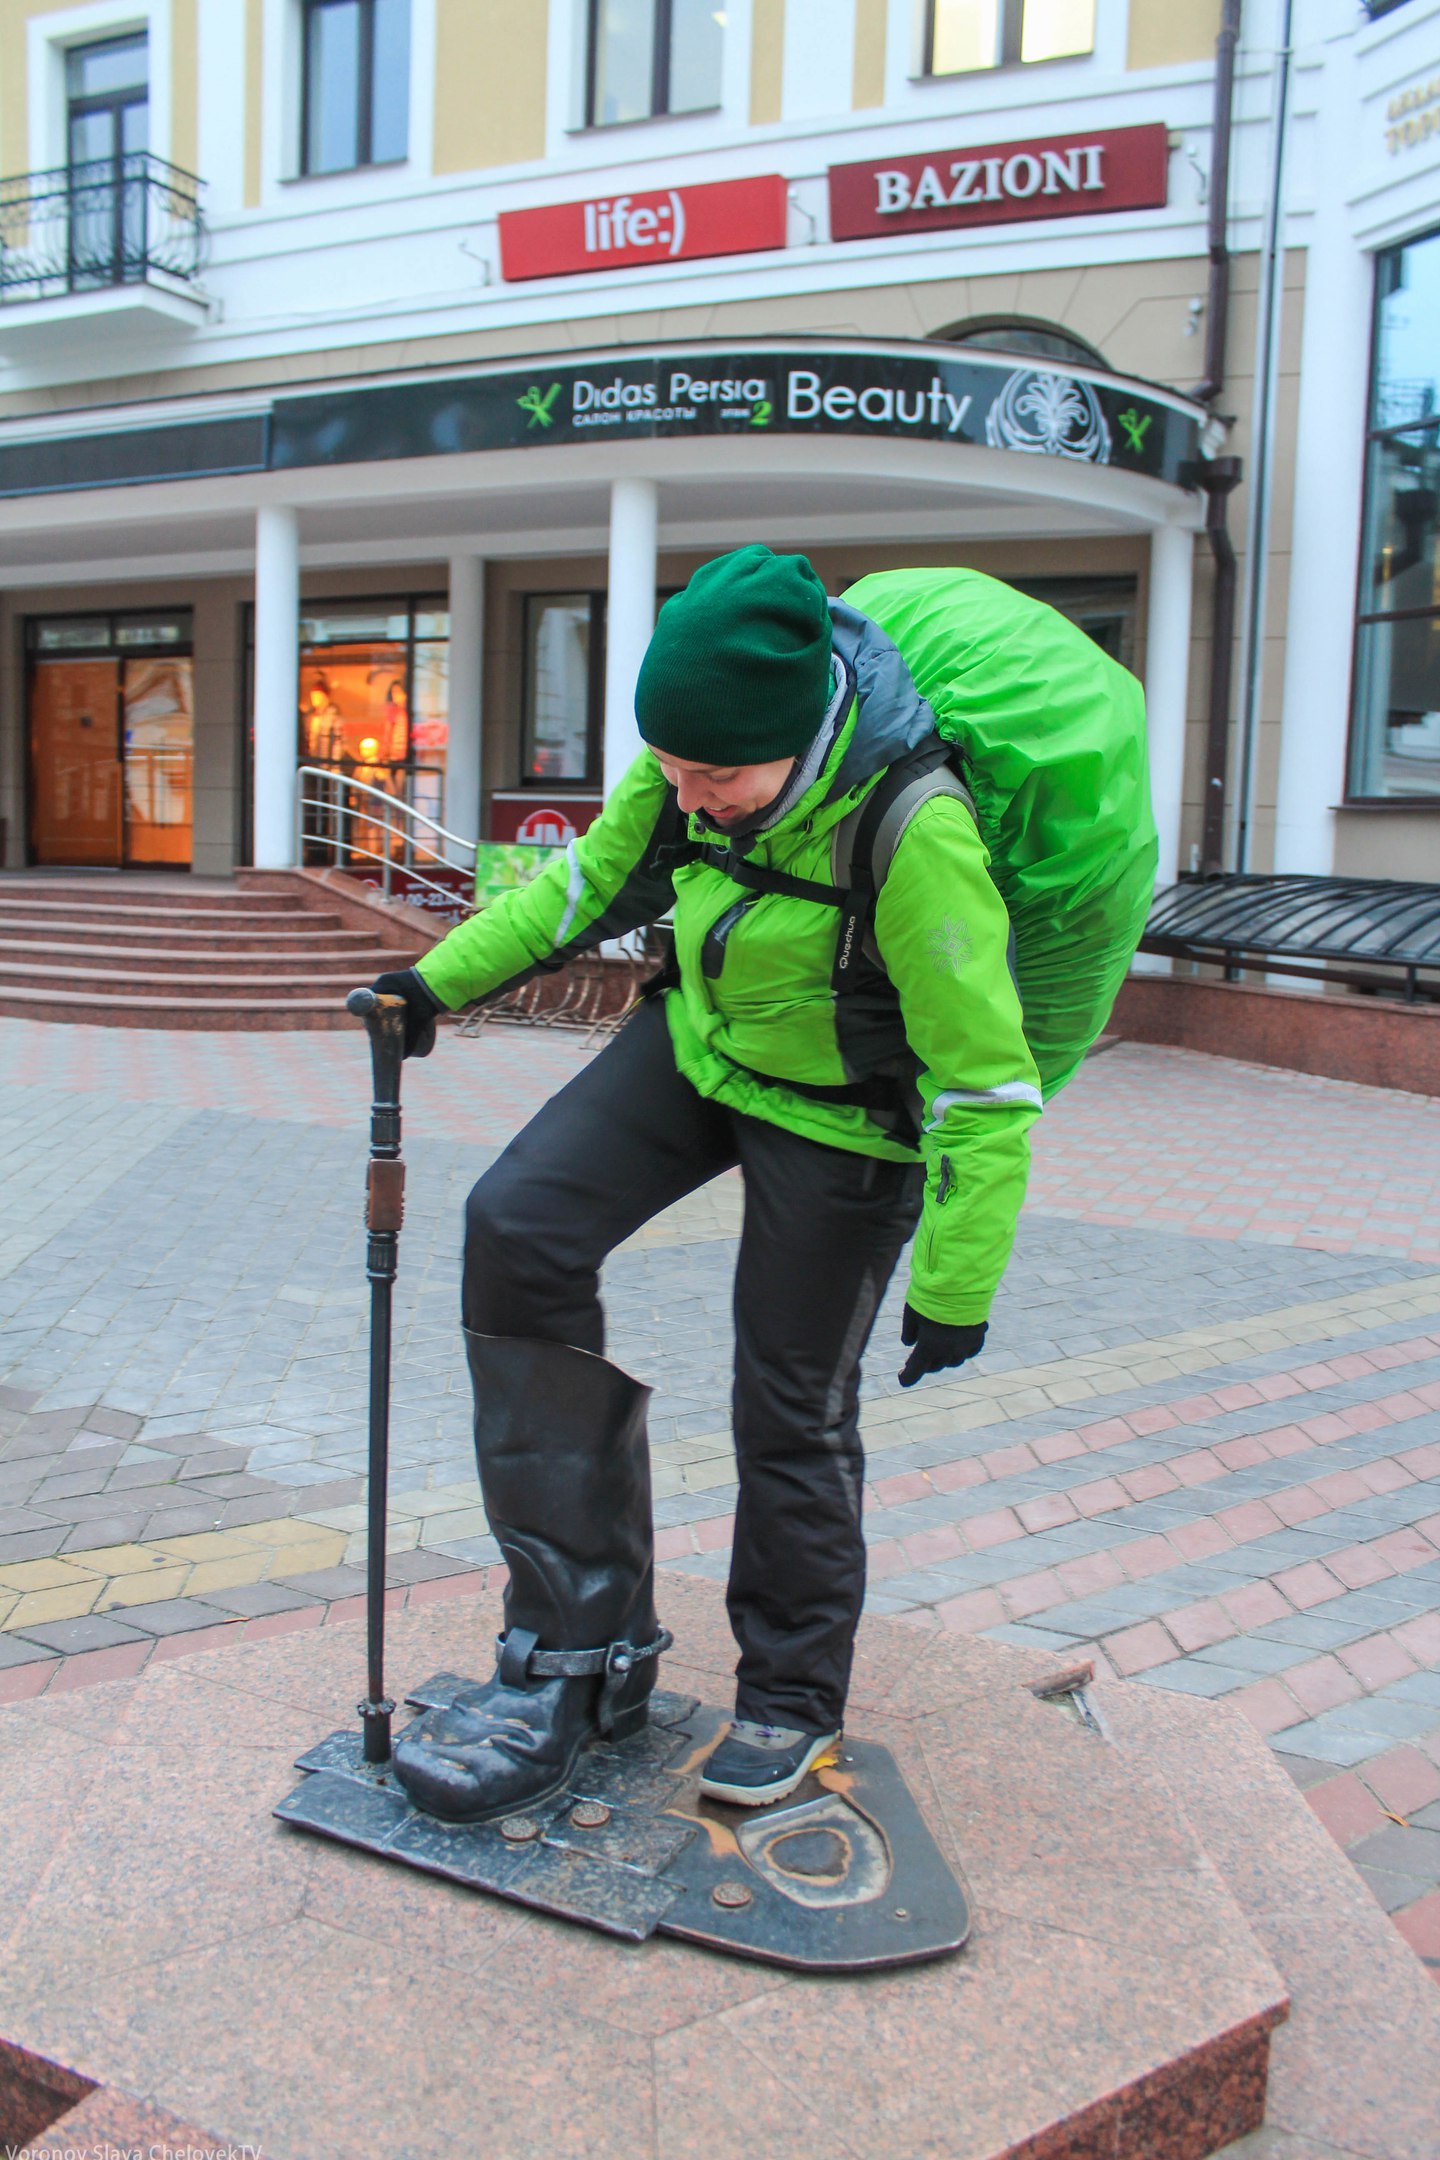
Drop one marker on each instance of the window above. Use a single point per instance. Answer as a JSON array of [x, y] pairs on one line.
[[564, 687], [356, 96], [1022, 334], [107, 116], [963, 35], [650, 57], [1395, 713]]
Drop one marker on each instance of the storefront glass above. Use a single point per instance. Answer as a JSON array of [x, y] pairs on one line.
[[374, 707], [564, 676], [1395, 723], [112, 731]]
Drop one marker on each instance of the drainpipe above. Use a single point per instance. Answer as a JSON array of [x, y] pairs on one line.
[[1220, 476]]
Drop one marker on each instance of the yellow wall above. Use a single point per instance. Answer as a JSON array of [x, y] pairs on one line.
[[767, 60], [254, 96], [489, 83], [1166, 32], [184, 85], [14, 71], [869, 88]]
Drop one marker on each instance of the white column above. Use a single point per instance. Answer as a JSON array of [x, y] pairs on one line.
[[467, 648], [277, 684], [630, 620], [1325, 537], [1167, 677]]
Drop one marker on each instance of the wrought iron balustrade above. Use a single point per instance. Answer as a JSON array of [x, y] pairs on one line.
[[130, 220]]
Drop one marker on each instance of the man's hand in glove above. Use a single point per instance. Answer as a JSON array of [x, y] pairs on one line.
[[936, 1345], [422, 1007]]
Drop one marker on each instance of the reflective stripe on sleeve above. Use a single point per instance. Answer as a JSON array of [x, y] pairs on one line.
[[574, 893], [996, 1098]]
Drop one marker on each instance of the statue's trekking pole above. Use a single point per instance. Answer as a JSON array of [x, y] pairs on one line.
[[384, 1019]]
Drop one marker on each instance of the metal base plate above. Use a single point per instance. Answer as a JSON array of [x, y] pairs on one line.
[[843, 1876]]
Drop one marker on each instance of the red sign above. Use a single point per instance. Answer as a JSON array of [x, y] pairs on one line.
[[614, 232], [537, 822], [1058, 176], [442, 888]]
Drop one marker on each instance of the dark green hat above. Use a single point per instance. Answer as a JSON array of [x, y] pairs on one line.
[[738, 671]]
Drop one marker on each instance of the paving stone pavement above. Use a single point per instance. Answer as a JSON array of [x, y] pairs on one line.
[[1226, 1288]]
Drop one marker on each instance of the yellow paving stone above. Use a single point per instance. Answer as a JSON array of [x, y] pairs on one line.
[[304, 1559], [285, 1530], [455, 1523], [23, 1575], [71, 1603], [203, 1545], [246, 1567], [8, 1598], [399, 1537], [126, 1559], [144, 1589]]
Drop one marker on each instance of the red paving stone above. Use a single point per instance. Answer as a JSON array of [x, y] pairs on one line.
[[1348, 1810], [1322, 1684], [1420, 1926], [1254, 1605], [1196, 1626], [1267, 1705], [1138, 1649], [1308, 1585], [999, 1527], [1377, 1660], [120, 1662], [1404, 1779], [1421, 1637], [972, 1613]]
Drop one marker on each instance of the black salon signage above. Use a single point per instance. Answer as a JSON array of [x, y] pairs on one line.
[[984, 401]]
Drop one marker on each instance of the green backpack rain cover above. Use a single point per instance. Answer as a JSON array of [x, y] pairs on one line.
[[1051, 736]]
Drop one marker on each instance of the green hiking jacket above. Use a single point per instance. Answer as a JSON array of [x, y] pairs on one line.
[[939, 1023]]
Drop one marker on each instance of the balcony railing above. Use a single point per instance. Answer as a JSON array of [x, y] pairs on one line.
[[115, 221]]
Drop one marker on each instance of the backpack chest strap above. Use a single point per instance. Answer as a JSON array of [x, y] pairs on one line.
[[756, 878]]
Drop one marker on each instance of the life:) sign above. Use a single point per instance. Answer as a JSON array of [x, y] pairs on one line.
[[1058, 176], [615, 232]]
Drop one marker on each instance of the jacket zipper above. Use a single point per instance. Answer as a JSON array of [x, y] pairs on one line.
[[942, 1193]]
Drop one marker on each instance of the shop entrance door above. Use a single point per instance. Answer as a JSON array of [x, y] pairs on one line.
[[111, 744]]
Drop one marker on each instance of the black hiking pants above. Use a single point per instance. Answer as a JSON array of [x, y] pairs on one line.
[[822, 1231]]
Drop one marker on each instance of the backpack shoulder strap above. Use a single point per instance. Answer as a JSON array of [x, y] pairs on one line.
[[864, 843]]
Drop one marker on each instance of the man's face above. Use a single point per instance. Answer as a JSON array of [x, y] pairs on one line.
[[726, 793]]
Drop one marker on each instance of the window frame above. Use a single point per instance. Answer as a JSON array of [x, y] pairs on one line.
[[661, 49], [1011, 55], [1363, 617], [598, 597], [365, 160]]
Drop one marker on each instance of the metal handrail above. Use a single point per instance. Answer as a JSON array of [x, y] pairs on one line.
[[105, 221], [401, 827]]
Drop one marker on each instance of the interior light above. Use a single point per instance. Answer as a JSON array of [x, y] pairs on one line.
[[369, 749]]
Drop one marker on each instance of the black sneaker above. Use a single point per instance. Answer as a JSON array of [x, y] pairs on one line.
[[755, 1764]]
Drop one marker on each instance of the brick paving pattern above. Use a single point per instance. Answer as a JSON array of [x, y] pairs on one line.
[[1203, 1447]]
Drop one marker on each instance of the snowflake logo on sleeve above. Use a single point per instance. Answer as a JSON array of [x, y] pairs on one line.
[[950, 946]]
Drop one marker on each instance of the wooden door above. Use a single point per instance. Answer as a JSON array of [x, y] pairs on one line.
[[76, 811]]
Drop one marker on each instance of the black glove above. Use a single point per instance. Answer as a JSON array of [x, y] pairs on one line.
[[422, 1008], [937, 1345]]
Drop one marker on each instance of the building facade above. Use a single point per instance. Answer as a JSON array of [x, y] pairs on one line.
[[369, 368]]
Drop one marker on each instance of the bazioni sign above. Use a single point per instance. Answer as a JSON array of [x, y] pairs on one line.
[[1056, 176]]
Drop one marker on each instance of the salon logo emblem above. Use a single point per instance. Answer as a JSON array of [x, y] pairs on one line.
[[1049, 416], [537, 403], [1136, 428]]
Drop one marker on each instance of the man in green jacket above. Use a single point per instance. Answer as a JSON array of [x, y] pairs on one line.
[[769, 713]]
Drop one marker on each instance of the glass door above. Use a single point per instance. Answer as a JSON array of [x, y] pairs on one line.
[[158, 753], [108, 113]]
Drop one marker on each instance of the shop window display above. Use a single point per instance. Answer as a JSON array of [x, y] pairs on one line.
[[1395, 720], [373, 707]]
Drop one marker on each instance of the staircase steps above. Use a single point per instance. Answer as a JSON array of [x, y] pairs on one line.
[[129, 952]]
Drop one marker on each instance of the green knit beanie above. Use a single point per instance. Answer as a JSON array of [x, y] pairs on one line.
[[738, 671]]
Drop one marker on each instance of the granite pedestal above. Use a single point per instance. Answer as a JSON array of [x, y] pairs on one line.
[[1149, 1902]]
